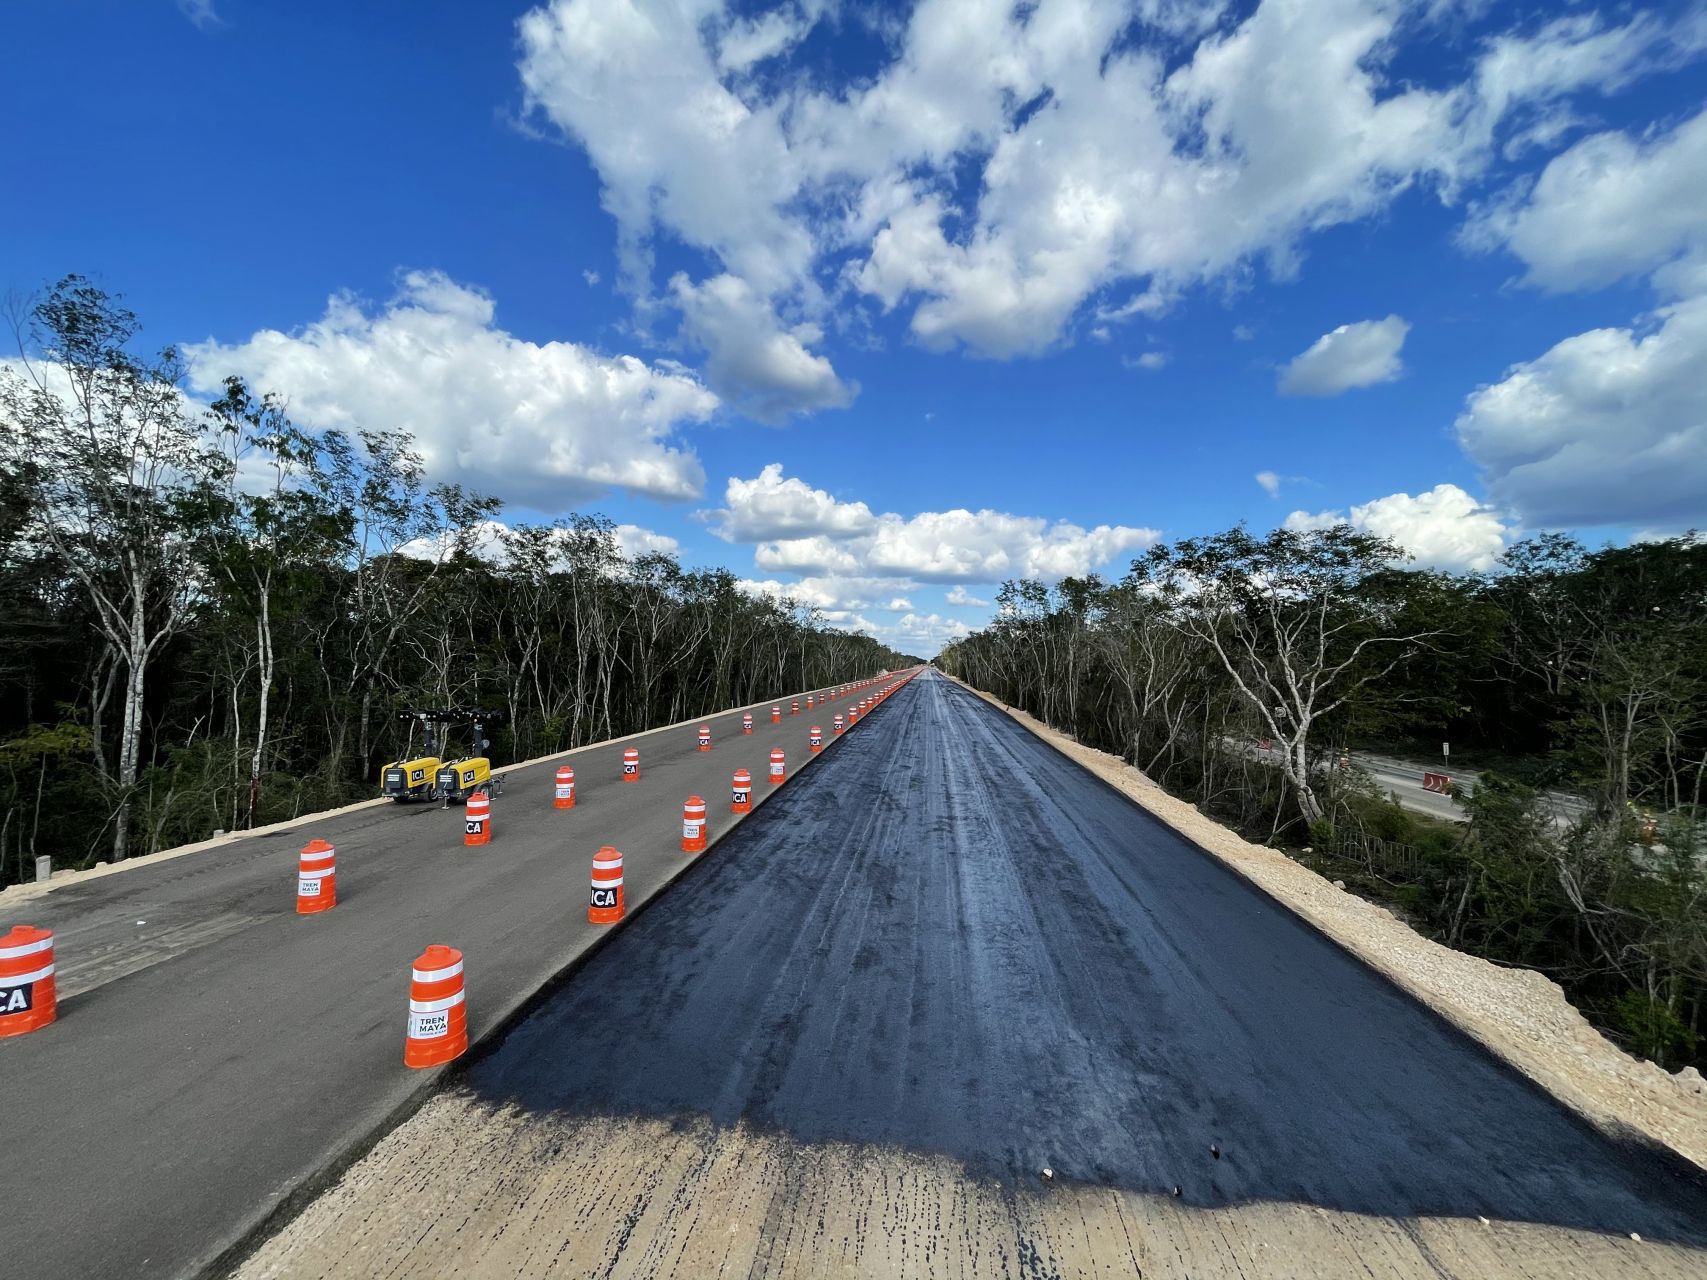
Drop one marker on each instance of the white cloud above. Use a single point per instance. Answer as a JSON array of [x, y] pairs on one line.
[[634, 541], [1270, 482], [1610, 207], [488, 541], [762, 368], [1353, 355], [923, 634], [833, 593], [960, 596], [591, 277], [1243, 333], [201, 13], [547, 425], [772, 506], [1444, 528], [804, 530], [1608, 427], [1149, 361], [1009, 167]]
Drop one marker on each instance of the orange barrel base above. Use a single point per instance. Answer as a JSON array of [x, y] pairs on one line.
[[316, 878], [693, 825], [438, 1014], [477, 820], [605, 906], [28, 997]]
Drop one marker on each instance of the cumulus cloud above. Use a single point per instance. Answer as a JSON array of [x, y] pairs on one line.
[[1270, 481], [634, 541], [1444, 528], [832, 593], [1148, 361], [546, 425], [489, 540], [771, 506], [1353, 355], [923, 634], [764, 369], [1006, 168], [1610, 207], [1607, 427], [804, 530], [960, 596]]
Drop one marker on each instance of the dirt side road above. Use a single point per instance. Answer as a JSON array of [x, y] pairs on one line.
[[848, 1043]]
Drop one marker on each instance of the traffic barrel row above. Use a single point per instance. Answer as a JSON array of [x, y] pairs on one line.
[[438, 1016]]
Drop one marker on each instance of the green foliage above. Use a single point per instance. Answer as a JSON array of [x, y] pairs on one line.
[[1653, 1029]]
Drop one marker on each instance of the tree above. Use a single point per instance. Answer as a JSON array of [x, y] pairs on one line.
[[1291, 620], [118, 477]]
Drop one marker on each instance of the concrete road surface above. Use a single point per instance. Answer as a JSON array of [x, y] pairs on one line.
[[955, 943], [215, 1050]]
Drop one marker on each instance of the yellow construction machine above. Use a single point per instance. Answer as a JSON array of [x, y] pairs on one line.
[[427, 776], [459, 779]]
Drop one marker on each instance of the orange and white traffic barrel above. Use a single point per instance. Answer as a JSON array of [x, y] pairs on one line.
[[563, 792], [776, 714], [477, 820], [316, 878], [741, 792], [28, 1000], [693, 825], [438, 1013], [605, 904], [794, 707], [705, 737], [837, 724], [778, 765], [747, 722], [809, 703], [631, 764], [815, 739]]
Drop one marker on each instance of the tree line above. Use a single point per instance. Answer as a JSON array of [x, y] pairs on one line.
[[209, 617], [1243, 673]]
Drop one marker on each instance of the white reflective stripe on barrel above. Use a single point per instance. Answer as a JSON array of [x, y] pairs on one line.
[[607, 884], [326, 874], [27, 948], [434, 1006], [436, 975], [24, 979]]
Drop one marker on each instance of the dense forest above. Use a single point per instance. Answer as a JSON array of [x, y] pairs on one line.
[[210, 617], [1244, 673]]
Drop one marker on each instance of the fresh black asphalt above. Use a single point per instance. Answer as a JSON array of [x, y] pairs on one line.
[[959, 942]]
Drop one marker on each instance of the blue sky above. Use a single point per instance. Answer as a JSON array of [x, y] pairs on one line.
[[883, 307]]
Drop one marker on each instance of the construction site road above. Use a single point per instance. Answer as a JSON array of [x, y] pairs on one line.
[[954, 945], [215, 1051]]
